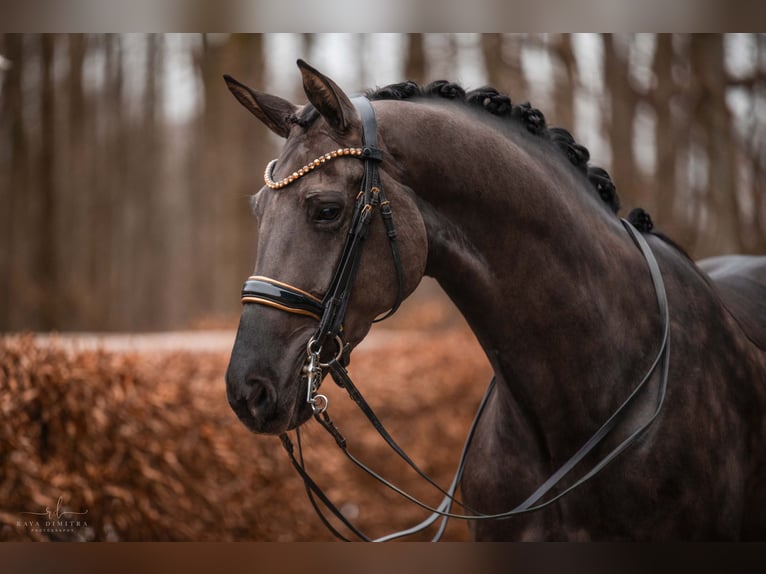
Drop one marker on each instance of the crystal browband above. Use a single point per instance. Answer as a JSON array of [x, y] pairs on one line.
[[309, 167]]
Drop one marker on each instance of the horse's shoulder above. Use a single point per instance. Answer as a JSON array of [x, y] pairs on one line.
[[741, 282]]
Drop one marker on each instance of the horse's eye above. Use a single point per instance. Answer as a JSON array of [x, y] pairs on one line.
[[328, 212]]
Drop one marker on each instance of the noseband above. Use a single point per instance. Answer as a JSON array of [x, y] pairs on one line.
[[330, 311]]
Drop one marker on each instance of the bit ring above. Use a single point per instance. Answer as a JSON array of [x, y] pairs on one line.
[[321, 407], [310, 351]]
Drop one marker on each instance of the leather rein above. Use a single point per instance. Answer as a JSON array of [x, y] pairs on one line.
[[330, 312]]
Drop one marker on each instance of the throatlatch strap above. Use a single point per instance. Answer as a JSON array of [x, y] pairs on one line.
[[370, 142]]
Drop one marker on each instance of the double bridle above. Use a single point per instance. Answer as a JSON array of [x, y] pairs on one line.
[[330, 312]]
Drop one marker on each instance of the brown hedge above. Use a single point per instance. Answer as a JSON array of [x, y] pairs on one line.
[[147, 445]]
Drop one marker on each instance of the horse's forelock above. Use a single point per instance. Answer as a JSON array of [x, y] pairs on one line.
[[306, 116]]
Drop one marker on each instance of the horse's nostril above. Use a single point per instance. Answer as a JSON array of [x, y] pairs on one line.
[[259, 395], [261, 399]]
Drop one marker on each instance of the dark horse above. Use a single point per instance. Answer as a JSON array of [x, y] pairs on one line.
[[521, 233]]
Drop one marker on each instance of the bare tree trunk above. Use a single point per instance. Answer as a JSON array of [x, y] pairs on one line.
[[203, 162], [758, 153], [415, 63], [307, 45], [246, 159], [111, 170], [361, 49], [565, 84], [233, 149], [46, 270], [13, 167], [750, 154], [502, 60], [80, 296], [151, 258], [758, 179], [713, 118], [450, 58], [666, 141], [622, 101]]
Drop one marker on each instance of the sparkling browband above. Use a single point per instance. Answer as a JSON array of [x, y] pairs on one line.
[[312, 165]]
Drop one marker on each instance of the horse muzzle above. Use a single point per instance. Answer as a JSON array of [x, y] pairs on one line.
[[265, 379]]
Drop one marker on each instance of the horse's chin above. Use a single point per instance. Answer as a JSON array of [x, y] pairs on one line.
[[302, 414], [295, 410], [276, 427], [299, 414]]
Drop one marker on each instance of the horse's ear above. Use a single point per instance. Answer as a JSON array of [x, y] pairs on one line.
[[331, 102], [273, 111]]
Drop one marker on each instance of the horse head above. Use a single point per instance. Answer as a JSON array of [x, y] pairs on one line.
[[306, 217]]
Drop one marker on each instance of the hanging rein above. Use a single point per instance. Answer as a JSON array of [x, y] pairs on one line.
[[330, 312]]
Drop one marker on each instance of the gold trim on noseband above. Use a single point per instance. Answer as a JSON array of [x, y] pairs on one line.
[[309, 167], [280, 307]]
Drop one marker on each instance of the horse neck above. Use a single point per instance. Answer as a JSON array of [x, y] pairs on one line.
[[555, 291]]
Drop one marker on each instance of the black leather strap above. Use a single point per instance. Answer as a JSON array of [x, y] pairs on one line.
[[341, 377], [370, 142], [388, 221], [369, 128], [663, 355], [313, 490], [532, 503], [338, 295]]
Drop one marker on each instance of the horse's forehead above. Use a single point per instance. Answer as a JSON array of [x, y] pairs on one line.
[[303, 147], [300, 158]]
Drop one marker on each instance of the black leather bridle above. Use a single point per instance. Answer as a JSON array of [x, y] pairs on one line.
[[331, 309], [330, 312]]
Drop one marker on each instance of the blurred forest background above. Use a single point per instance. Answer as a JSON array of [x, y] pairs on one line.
[[126, 166]]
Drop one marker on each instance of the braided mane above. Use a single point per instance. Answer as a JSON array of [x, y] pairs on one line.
[[490, 100]]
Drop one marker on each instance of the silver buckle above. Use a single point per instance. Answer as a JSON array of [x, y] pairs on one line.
[[313, 371]]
